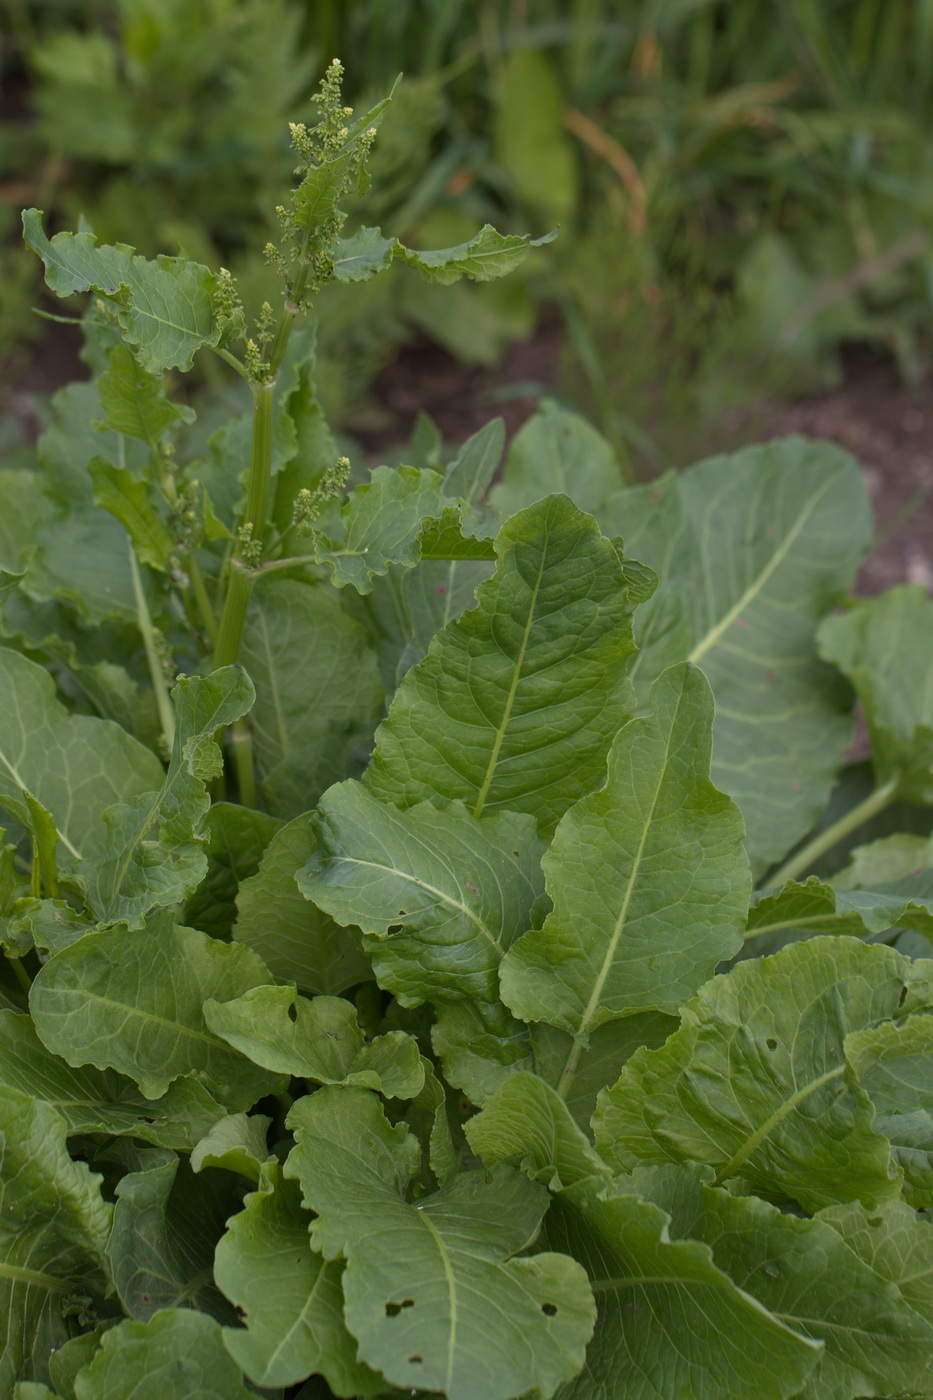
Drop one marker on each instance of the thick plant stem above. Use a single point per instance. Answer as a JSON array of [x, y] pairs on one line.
[[800, 862], [202, 597], [241, 744], [144, 622], [570, 1069], [22, 976], [233, 617]]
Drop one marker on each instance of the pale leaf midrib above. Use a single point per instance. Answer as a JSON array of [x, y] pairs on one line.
[[430, 889], [707, 642]]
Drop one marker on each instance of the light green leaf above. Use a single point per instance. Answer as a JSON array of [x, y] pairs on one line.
[[897, 1246], [82, 559], [101, 1101], [71, 1358], [527, 1121], [557, 450], [53, 1232], [894, 1064], [757, 1084], [530, 140], [442, 893], [453, 535], [885, 647], [315, 201], [380, 525], [166, 1223], [24, 506], [155, 853], [296, 940], [431, 1291], [236, 840], [487, 255], [317, 1040], [669, 1322], [164, 308], [753, 549], [426, 1115], [299, 642], [133, 1002], [878, 864], [133, 501], [133, 401], [48, 924], [363, 255], [468, 476], [236, 1143], [648, 877], [179, 1355], [816, 907], [76, 765], [872, 1343], [291, 1298], [516, 702]]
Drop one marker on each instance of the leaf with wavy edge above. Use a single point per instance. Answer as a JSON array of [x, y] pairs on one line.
[[432, 1292], [291, 1297], [757, 1083], [133, 1001], [441, 893], [165, 308], [753, 549], [648, 876], [179, 1355], [517, 701]]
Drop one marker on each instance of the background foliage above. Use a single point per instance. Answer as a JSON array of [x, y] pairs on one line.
[[741, 186]]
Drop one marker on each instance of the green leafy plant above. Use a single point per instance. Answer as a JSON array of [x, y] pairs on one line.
[[386, 1004]]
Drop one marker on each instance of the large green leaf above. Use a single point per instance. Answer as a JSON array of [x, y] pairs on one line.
[[291, 1297], [648, 877], [164, 308], [485, 256], [469, 474], [601, 1062], [296, 940], [885, 646], [134, 501], [381, 525], [526, 1121], [815, 907], [557, 450], [516, 702], [753, 549], [757, 1083], [54, 1225], [894, 1064], [441, 893], [873, 1343], [319, 1040], [155, 853], [531, 141], [76, 765], [299, 643], [101, 1101], [133, 402], [669, 1321], [166, 1223], [179, 1355], [432, 1292], [132, 1001], [897, 1246]]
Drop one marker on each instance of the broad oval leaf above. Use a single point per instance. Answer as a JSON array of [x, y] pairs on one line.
[[753, 550], [516, 702], [648, 877], [442, 893], [757, 1083], [132, 1001], [178, 1355], [432, 1293]]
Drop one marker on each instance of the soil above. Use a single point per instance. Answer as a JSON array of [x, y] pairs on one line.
[[885, 424]]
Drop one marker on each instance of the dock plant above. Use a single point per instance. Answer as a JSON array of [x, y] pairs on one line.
[[442, 953]]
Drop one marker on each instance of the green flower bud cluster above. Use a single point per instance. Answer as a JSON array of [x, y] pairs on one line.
[[309, 504]]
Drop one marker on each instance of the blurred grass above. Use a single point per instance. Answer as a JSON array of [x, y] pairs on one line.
[[742, 185]]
